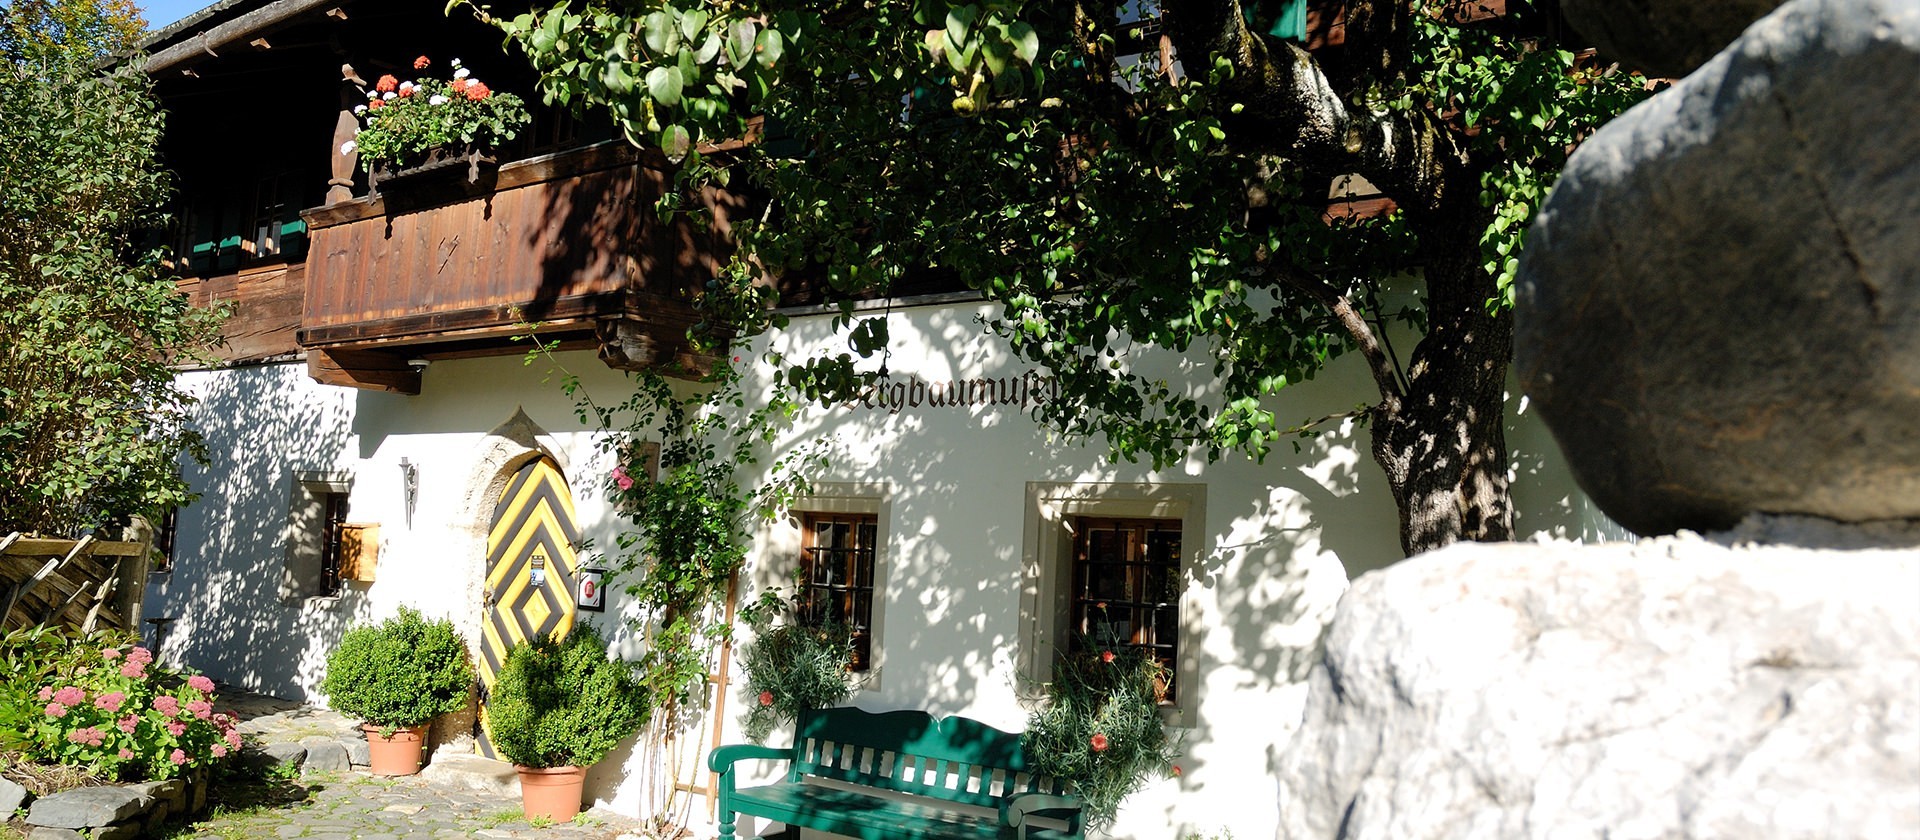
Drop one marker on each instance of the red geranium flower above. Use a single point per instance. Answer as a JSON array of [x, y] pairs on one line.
[[376, 105], [1099, 742], [477, 91], [387, 84], [421, 63]]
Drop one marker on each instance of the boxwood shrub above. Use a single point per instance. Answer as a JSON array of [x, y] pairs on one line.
[[564, 703], [404, 671]]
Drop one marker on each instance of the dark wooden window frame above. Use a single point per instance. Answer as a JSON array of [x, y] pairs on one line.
[[836, 580], [333, 523], [1124, 589]]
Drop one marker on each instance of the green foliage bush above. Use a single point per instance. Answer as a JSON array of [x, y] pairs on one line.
[[100, 704], [792, 668], [92, 421], [564, 703], [404, 671], [1100, 729]]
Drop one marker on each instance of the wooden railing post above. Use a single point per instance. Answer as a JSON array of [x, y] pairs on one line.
[[346, 126], [131, 595]]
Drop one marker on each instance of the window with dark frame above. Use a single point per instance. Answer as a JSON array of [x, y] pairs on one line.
[[1126, 589], [836, 575], [335, 507], [163, 538]]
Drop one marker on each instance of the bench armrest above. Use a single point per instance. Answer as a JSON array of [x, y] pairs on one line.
[[1015, 811], [722, 758]]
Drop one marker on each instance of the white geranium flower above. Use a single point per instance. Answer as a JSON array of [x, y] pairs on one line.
[[456, 62], [406, 86], [390, 96], [348, 147], [436, 99], [359, 109], [462, 73], [373, 94]]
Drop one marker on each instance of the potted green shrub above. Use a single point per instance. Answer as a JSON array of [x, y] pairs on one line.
[[558, 707], [396, 677]]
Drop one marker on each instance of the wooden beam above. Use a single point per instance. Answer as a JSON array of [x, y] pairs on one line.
[[475, 322], [30, 547], [367, 369], [242, 29], [260, 44]]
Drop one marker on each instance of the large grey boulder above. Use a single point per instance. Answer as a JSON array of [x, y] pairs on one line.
[[1719, 304], [1676, 688], [1663, 38]]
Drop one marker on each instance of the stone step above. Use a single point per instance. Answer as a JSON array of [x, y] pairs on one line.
[[473, 772]]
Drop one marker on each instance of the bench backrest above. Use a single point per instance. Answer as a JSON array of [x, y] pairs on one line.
[[954, 759]]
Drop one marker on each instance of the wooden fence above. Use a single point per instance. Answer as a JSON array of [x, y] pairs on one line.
[[83, 584]]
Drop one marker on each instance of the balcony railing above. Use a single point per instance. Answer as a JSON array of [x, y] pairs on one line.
[[565, 245]]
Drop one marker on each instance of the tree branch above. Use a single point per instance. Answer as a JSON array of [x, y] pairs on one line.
[[1295, 109], [1385, 371]]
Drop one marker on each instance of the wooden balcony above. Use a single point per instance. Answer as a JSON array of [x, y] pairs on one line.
[[564, 246]]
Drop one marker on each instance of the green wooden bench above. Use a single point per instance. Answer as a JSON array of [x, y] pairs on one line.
[[849, 770]]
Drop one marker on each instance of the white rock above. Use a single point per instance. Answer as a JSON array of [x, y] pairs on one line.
[[1674, 688]]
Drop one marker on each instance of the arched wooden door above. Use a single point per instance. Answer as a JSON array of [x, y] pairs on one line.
[[530, 571]]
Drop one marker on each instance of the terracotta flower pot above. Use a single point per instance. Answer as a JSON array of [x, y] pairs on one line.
[[552, 793], [398, 755]]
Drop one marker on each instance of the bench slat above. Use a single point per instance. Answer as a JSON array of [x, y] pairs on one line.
[[870, 817], [940, 761]]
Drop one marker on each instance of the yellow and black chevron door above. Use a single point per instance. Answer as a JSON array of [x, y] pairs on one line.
[[530, 570]]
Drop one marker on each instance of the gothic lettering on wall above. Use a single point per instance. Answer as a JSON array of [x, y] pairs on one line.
[[895, 394]]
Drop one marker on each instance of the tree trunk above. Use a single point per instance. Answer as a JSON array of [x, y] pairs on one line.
[[1443, 444]]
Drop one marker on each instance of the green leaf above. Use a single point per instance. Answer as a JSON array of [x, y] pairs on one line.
[[997, 54], [617, 79], [664, 84], [675, 141], [661, 35], [692, 23], [740, 41], [960, 20], [1026, 42], [769, 47], [708, 49]]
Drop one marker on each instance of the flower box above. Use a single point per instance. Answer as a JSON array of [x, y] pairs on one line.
[[465, 164]]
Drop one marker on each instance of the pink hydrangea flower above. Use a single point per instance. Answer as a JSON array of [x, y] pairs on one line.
[[70, 696], [200, 683], [129, 723], [134, 669], [233, 738], [125, 753], [219, 750], [167, 704], [89, 735], [140, 654], [110, 701], [46, 693], [178, 757], [110, 654], [56, 710], [176, 727], [201, 709]]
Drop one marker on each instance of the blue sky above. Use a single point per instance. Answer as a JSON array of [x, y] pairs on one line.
[[159, 13]]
